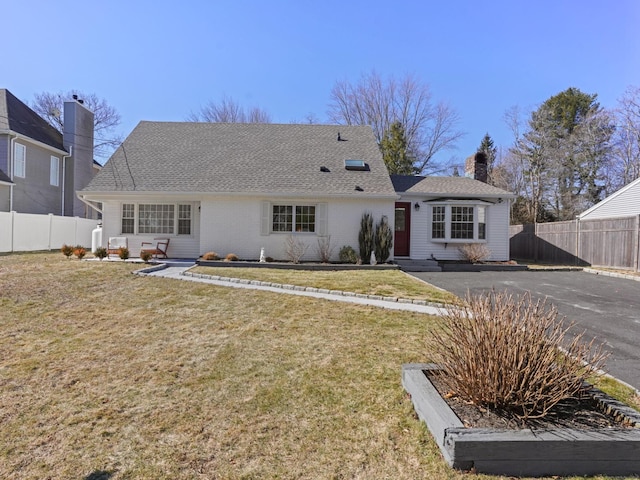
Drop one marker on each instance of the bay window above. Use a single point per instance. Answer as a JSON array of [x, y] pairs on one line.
[[458, 222]]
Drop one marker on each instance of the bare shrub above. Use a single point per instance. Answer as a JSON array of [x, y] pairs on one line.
[[295, 248], [511, 354], [231, 257], [211, 256], [325, 249], [474, 252]]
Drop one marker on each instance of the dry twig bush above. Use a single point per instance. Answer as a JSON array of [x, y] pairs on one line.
[[474, 252], [512, 354], [294, 249]]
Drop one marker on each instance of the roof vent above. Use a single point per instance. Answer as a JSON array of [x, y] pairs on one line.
[[359, 188], [324, 169], [359, 165]]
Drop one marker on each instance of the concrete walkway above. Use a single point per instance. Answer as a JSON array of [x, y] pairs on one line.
[[179, 272]]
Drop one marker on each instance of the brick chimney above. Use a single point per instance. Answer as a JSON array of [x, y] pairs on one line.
[[475, 167], [77, 136]]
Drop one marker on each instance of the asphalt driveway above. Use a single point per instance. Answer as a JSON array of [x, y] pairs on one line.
[[607, 308]]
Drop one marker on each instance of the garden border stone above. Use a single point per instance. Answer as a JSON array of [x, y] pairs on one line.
[[557, 451]]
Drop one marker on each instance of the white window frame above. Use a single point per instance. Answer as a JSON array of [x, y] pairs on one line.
[[296, 210], [54, 171], [19, 161], [480, 212], [175, 222]]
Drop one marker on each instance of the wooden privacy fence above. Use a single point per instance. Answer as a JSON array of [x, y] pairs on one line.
[[612, 242]]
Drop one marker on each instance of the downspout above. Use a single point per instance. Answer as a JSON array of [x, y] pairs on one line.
[[64, 174]]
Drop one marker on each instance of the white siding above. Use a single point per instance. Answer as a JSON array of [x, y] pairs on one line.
[[623, 203], [180, 246], [233, 225], [421, 247]]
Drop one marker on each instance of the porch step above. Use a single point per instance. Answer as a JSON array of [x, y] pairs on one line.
[[408, 265]]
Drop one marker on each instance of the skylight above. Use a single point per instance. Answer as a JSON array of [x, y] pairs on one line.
[[360, 165]]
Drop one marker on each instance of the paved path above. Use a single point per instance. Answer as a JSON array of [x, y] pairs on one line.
[[372, 300], [607, 308]]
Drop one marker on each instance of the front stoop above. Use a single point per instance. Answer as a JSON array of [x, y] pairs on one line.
[[523, 452]]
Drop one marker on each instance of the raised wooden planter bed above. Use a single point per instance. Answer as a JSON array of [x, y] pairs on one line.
[[524, 452]]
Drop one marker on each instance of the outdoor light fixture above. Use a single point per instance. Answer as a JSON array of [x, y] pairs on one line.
[[417, 206]]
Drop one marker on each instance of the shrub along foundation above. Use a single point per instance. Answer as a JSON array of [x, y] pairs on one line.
[[525, 452]]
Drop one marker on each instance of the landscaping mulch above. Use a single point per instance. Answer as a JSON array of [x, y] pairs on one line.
[[579, 414]]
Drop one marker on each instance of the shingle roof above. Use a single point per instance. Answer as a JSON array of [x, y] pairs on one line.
[[18, 117], [244, 158], [446, 186]]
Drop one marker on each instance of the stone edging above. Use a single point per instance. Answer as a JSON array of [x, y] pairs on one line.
[[560, 451], [285, 286], [595, 271]]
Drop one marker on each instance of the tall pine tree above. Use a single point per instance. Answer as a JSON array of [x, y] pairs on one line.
[[395, 151]]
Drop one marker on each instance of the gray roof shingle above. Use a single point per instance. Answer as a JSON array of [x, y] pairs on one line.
[[18, 117], [446, 186], [244, 158]]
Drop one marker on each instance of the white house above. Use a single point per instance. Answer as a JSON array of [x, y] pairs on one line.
[[623, 203], [436, 215], [238, 188]]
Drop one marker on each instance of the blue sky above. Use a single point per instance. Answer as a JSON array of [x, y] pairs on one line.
[[161, 60]]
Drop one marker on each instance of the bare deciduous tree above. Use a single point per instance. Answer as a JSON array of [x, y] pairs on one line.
[[228, 110], [626, 167], [106, 118], [428, 128]]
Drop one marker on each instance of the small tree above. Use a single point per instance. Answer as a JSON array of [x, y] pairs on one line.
[[366, 237], [383, 240]]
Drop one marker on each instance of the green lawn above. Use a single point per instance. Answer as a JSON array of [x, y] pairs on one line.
[[104, 374], [388, 283]]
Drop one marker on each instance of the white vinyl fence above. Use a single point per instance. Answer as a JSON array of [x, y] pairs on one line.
[[26, 232]]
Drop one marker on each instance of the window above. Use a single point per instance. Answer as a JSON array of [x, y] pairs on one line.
[[54, 171], [284, 220], [482, 223], [438, 222], [184, 219], [128, 218], [453, 222], [19, 160], [462, 222], [305, 218], [153, 219]]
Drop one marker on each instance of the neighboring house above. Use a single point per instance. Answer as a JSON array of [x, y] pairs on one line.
[[623, 203], [42, 168], [436, 215], [238, 188]]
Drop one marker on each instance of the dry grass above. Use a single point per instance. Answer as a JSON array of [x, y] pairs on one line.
[[389, 283], [107, 375]]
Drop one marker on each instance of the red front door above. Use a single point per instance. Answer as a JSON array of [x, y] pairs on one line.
[[402, 230]]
